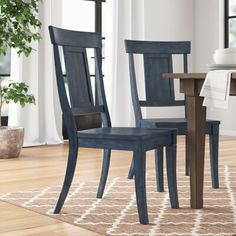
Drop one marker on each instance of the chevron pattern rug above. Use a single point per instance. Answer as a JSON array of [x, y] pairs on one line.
[[116, 213]]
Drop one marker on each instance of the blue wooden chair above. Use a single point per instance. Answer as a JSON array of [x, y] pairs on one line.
[[157, 58], [74, 46]]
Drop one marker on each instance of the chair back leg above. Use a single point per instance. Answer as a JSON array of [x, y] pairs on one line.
[[140, 184], [159, 169], [187, 168], [171, 175], [104, 173], [214, 156], [131, 170]]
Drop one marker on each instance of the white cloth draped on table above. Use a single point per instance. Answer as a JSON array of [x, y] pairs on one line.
[[42, 122], [215, 89]]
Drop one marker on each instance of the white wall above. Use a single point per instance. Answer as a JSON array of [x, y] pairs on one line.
[[206, 30], [78, 15], [208, 37], [170, 20]]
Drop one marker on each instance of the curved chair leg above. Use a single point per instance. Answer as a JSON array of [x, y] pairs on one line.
[[159, 169], [131, 170], [171, 175], [140, 184], [214, 156], [71, 164], [104, 173], [186, 157]]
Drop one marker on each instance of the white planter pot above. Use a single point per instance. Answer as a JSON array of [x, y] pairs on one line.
[[11, 141]]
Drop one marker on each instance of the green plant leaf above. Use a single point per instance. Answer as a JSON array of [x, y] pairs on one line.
[[17, 93], [18, 25]]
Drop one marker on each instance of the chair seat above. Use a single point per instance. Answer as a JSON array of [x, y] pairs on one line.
[[126, 138], [179, 123], [124, 133]]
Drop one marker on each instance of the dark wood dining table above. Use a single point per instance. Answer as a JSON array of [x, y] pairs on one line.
[[190, 85]]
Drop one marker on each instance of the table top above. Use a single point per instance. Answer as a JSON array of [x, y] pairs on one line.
[[187, 79], [189, 75]]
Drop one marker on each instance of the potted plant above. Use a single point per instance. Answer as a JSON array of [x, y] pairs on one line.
[[18, 28], [11, 138]]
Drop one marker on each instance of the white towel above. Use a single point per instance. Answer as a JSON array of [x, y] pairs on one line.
[[216, 88]]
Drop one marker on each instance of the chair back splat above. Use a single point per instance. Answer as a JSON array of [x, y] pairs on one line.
[[157, 59], [81, 102]]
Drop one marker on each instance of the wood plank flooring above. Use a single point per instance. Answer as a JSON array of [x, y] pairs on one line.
[[45, 166]]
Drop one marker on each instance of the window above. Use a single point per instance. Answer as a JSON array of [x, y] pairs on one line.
[[230, 23], [5, 66]]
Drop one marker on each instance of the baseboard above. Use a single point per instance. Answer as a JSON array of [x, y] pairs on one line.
[[228, 132]]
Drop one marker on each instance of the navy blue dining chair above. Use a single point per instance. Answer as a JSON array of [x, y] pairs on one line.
[[74, 46], [157, 59]]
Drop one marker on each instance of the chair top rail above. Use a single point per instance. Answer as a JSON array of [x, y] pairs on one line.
[[166, 47], [74, 38]]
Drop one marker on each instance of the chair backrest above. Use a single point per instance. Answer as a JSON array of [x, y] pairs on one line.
[[74, 47], [157, 58]]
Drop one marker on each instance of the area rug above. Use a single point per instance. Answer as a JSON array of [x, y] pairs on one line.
[[116, 213]]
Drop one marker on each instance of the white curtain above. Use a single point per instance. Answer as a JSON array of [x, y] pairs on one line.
[[125, 20], [42, 122]]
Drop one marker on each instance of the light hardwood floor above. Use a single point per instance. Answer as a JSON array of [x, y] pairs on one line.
[[45, 166]]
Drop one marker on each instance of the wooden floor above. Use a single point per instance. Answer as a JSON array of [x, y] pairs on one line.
[[45, 166]]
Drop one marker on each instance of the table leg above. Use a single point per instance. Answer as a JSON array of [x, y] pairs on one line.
[[196, 115]]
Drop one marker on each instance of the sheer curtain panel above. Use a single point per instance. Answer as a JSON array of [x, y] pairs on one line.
[[42, 122]]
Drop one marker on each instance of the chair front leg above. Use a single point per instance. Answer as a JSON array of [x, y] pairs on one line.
[[71, 164], [214, 156], [171, 175], [104, 173], [140, 184], [159, 169]]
